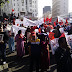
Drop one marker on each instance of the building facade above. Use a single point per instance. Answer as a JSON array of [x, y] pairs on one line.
[[59, 7], [47, 11], [21, 7]]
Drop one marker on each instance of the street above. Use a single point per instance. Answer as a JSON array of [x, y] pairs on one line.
[[22, 65]]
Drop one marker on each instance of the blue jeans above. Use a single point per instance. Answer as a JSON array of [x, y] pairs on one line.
[[3, 51], [11, 44]]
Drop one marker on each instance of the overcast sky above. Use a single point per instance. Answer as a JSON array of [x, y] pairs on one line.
[[42, 3]]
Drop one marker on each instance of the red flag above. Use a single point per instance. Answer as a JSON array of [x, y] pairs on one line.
[[51, 35], [66, 24], [50, 20], [54, 24], [44, 20], [66, 21], [47, 18], [63, 35], [12, 10], [57, 20], [39, 30], [30, 18], [51, 26], [33, 28], [61, 22]]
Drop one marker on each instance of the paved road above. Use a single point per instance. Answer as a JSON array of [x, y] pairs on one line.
[[22, 65]]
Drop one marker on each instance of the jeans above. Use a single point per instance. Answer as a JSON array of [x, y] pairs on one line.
[[11, 44], [3, 51]]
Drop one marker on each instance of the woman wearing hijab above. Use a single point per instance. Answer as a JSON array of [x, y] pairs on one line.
[[20, 44]]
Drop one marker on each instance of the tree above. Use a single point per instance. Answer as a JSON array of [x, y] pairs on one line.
[[3, 2]]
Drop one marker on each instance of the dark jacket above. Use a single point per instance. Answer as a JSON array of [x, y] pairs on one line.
[[57, 33], [70, 30], [63, 60], [5, 36]]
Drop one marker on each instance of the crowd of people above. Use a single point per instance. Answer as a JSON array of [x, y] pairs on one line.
[[36, 43]]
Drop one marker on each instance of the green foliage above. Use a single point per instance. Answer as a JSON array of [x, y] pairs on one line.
[[2, 2]]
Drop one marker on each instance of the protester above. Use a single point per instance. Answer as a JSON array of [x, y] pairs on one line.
[[35, 52], [62, 55], [20, 44], [27, 35], [11, 42], [3, 41], [40, 39], [57, 32], [70, 29], [45, 58]]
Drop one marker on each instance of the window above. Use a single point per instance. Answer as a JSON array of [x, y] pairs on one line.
[[30, 5], [30, 1], [22, 4], [35, 1], [35, 14], [18, 14], [18, 9], [30, 9], [64, 10], [17, 4], [22, 1], [14, 4], [22, 9], [14, 0]]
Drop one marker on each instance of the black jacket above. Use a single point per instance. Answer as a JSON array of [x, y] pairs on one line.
[[5, 36], [63, 60]]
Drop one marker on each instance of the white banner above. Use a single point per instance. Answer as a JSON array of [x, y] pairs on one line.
[[69, 40], [26, 22], [54, 45], [15, 29], [61, 19], [17, 21]]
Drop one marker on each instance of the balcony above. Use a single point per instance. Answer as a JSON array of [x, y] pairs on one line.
[[22, 13]]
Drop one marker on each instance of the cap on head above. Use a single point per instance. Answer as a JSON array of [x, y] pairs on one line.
[[33, 33]]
